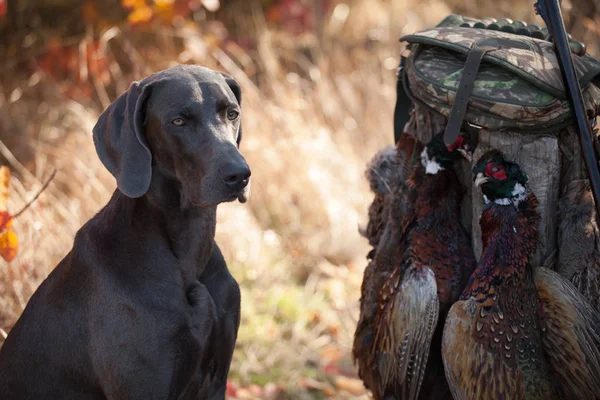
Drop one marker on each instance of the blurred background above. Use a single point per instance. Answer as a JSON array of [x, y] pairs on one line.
[[318, 80]]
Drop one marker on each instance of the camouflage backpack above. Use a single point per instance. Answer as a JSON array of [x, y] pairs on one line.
[[501, 80]]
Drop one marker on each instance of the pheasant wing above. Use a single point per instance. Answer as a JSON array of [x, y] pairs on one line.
[[407, 319], [363, 336], [587, 282], [570, 334]]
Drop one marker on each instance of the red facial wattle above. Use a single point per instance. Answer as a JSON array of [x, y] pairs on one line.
[[457, 144], [495, 171]]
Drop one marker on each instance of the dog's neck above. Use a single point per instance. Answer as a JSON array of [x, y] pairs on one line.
[[187, 231]]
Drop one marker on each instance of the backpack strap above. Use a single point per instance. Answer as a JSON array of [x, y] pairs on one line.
[[403, 103], [467, 81]]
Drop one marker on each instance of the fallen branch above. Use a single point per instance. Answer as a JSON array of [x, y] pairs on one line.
[[44, 186]]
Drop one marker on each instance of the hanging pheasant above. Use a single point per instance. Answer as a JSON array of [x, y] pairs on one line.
[[579, 240], [383, 174], [518, 332], [433, 261], [386, 173]]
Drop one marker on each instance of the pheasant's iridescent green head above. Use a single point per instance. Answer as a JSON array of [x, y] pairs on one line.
[[436, 156], [501, 181]]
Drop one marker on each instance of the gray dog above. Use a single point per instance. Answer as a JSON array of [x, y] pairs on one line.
[[143, 306]]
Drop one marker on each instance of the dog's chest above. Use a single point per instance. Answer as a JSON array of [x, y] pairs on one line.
[[189, 330]]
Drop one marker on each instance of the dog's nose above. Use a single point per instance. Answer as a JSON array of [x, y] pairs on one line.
[[236, 176]]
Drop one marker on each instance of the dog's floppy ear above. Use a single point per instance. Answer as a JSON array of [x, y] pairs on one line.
[[120, 143], [237, 92]]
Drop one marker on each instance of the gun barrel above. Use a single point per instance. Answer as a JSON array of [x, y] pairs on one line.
[[549, 10]]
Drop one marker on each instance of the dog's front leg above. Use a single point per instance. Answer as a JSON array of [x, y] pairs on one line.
[[203, 321], [204, 314], [225, 292]]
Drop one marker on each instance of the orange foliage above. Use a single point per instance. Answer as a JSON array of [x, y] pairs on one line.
[[140, 15], [9, 243], [143, 11], [77, 68], [133, 3], [165, 10]]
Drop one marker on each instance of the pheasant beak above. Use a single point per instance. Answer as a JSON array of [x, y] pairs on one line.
[[466, 154], [480, 179]]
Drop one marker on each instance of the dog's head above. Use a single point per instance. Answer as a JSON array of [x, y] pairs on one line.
[[180, 128]]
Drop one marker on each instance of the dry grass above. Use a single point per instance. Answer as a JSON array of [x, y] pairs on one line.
[[310, 126]]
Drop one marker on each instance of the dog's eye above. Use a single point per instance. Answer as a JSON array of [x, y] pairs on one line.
[[178, 122], [232, 114]]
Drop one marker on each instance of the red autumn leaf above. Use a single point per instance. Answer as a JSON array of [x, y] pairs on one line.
[[183, 8], [231, 389], [331, 370], [5, 220]]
